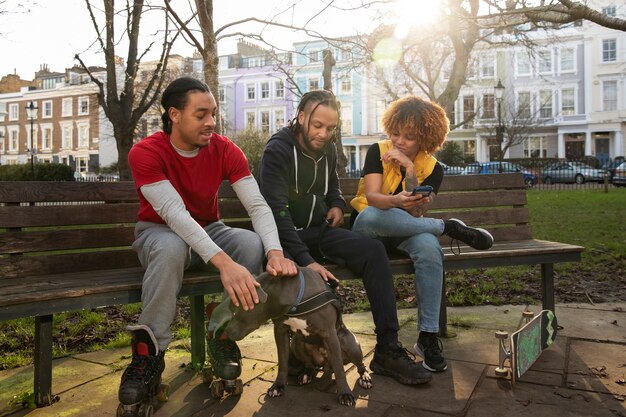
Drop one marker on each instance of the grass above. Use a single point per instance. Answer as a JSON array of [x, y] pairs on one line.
[[590, 218]]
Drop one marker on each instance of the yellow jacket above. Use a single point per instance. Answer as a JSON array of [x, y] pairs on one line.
[[424, 166]]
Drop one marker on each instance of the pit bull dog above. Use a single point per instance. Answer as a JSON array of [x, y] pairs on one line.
[[302, 305]]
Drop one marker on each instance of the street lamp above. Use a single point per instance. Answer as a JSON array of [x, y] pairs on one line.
[[31, 113], [499, 91]]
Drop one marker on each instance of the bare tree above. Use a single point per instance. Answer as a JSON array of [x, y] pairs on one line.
[[122, 102]]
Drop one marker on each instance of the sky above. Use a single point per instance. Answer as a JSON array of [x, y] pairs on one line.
[[52, 31]]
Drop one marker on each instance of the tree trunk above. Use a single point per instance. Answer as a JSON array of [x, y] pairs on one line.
[[329, 63]]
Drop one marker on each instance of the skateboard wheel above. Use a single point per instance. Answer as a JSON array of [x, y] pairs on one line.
[[217, 389], [163, 393], [120, 411], [146, 410], [501, 334], [501, 372], [238, 387], [528, 314], [207, 375]]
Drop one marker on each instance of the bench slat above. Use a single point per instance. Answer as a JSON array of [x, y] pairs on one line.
[[68, 215], [44, 191]]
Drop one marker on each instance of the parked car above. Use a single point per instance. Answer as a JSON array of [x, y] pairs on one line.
[[571, 172], [612, 165], [450, 170], [619, 176], [500, 168]]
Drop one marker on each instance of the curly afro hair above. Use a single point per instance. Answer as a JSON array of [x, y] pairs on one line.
[[425, 120]]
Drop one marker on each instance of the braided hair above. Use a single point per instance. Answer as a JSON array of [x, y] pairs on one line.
[[317, 98], [175, 95]]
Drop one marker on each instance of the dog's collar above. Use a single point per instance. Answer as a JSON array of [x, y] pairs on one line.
[[300, 293], [312, 303]]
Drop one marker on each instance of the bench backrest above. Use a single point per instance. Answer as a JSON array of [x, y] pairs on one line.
[[61, 227]]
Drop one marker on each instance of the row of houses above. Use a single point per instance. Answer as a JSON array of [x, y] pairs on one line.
[[565, 98]]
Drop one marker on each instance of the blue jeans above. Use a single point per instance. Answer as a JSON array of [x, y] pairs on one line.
[[418, 238]]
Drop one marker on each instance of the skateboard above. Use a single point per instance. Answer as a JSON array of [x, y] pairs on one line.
[[526, 343], [218, 386], [157, 394]]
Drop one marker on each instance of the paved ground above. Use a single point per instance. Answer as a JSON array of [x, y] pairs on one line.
[[581, 375]]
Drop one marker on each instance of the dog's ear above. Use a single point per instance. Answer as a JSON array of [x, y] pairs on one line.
[[262, 295]]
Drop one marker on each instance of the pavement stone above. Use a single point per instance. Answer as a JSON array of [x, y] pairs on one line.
[[580, 375]]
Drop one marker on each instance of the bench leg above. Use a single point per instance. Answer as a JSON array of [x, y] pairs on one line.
[[443, 312], [198, 351], [547, 286], [43, 360]]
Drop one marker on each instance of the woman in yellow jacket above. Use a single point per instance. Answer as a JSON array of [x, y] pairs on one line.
[[386, 208]]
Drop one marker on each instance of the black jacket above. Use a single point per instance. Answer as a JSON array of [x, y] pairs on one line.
[[299, 189]]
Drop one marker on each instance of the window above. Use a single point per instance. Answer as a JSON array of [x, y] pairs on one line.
[[250, 92], [250, 119], [468, 111], [14, 111], [83, 105], [488, 66], [545, 104], [67, 133], [567, 60], [522, 63], [31, 143], [346, 120], [14, 135], [221, 95], [314, 84], [279, 89], [535, 147], [344, 54], [609, 11], [314, 55], [265, 121], [568, 102], [470, 72], [488, 106], [609, 95], [544, 59], [66, 107], [46, 137], [380, 109], [265, 91], [83, 135], [609, 50], [46, 112], [82, 163], [523, 105], [346, 84], [279, 119]]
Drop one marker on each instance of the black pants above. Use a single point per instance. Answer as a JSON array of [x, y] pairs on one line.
[[364, 257]]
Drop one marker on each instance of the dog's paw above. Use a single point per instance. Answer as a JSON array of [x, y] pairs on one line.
[[347, 399], [304, 379], [365, 381], [276, 391]]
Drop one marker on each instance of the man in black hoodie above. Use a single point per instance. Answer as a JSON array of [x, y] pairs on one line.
[[299, 181]]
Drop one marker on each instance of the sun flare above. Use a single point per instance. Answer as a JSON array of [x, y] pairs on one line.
[[415, 13]]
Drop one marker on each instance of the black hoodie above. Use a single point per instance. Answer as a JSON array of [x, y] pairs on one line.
[[299, 189]]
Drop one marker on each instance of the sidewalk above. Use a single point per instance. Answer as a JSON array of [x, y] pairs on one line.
[[581, 375]]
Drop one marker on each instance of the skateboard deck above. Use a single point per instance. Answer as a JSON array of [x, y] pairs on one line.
[[527, 343]]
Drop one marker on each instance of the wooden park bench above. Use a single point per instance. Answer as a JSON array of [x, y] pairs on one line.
[[65, 246]]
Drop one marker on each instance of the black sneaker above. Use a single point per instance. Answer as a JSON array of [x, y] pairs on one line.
[[477, 238], [429, 347], [225, 357], [398, 363]]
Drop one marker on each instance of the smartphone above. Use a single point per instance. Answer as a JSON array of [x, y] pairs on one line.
[[423, 190]]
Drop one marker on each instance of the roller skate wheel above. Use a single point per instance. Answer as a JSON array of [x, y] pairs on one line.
[[528, 314], [238, 387], [217, 389], [146, 410], [501, 372], [502, 334], [127, 410], [207, 375], [163, 393]]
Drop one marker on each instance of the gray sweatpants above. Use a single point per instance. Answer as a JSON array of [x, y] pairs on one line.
[[165, 257]]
